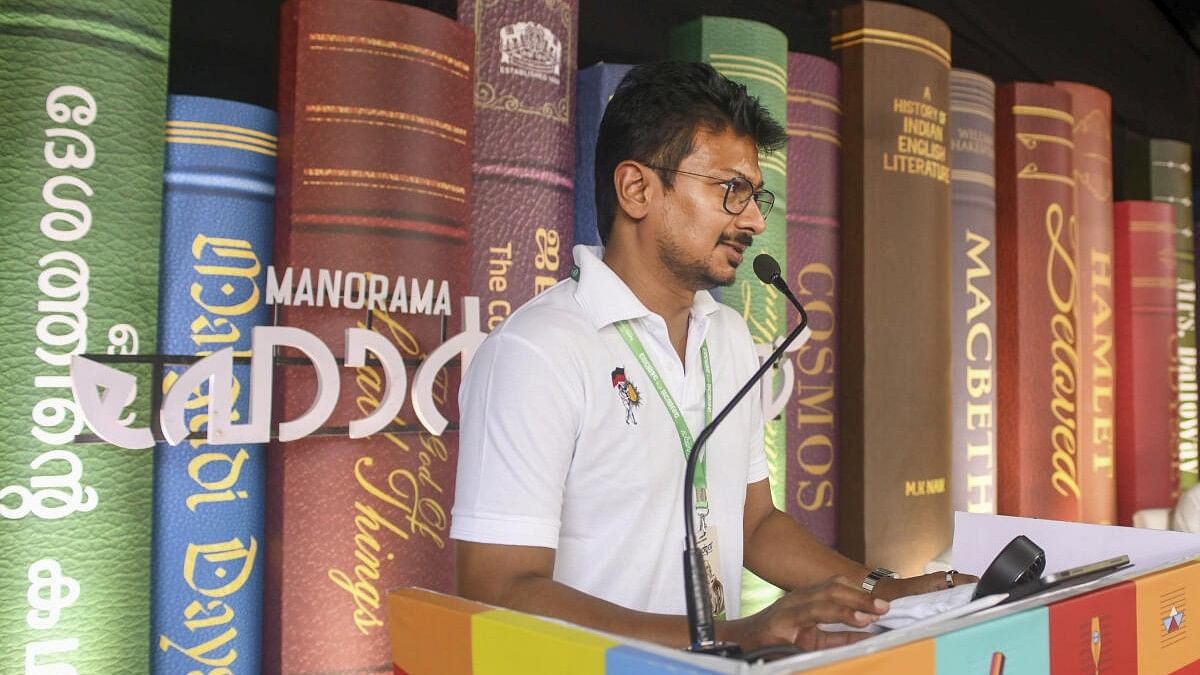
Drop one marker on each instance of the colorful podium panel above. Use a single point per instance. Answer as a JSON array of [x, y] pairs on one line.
[[1137, 625], [1166, 640], [1013, 644], [436, 634], [915, 657], [1094, 634]]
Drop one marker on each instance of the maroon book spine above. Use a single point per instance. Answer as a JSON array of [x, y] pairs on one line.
[[814, 151], [1144, 250], [1096, 435], [374, 187], [1036, 301], [524, 165]]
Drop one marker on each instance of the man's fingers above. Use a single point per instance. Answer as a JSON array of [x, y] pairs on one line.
[[835, 603], [828, 610]]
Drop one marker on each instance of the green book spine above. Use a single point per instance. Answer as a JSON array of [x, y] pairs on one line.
[[82, 99], [755, 55], [1161, 170]]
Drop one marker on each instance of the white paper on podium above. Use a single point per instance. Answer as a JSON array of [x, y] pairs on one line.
[[979, 537]]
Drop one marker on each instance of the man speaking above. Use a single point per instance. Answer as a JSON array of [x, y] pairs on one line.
[[578, 411]]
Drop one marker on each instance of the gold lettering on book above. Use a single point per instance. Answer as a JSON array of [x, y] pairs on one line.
[[816, 420], [1173, 406], [1187, 393], [417, 513], [920, 148], [401, 501], [500, 261], [1061, 284], [546, 260], [925, 487], [980, 369], [1103, 399]]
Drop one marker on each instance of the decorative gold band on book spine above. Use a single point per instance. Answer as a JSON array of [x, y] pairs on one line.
[[222, 135], [361, 44], [1039, 111], [738, 66], [395, 119], [889, 38]]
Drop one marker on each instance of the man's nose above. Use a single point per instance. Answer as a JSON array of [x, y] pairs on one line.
[[751, 219]]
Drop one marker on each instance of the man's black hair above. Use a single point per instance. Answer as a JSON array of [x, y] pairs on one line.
[[653, 118]]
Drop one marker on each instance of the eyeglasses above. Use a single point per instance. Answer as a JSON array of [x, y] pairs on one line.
[[738, 192]]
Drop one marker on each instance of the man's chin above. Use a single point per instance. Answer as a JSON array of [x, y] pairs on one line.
[[721, 281]]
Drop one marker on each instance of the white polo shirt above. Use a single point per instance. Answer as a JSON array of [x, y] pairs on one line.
[[551, 454]]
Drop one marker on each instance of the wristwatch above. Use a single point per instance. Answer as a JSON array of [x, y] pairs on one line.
[[873, 577]]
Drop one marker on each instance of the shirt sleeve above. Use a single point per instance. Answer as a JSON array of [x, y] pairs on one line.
[[519, 422]]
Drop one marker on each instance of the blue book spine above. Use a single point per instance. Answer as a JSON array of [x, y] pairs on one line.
[[209, 500], [596, 85]]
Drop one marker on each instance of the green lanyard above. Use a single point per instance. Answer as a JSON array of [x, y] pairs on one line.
[[685, 434]]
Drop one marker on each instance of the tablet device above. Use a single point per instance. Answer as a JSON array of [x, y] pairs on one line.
[[1089, 571], [1069, 577]]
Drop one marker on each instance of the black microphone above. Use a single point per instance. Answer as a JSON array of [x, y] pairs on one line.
[[699, 608]]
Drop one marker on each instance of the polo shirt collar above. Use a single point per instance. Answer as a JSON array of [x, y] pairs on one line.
[[606, 298]]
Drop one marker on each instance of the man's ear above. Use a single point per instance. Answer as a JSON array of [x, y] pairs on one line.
[[634, 189]]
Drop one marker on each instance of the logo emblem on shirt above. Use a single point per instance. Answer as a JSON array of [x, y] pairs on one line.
[[630, 396]]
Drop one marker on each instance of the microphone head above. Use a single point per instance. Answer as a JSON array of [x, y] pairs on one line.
[[766, 268]]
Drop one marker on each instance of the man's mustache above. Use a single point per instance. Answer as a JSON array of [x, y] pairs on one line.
[[742, 239]]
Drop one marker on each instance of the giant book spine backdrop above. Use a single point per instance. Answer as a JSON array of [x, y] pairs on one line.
[[371, 231], [596, 86], [1161, 170], [755, 55], [209, 500], [973, 291], [811, 416], [1036, 299], [895, 297], [522, 205], [1144, 246], [1096, 431], [82, 102]]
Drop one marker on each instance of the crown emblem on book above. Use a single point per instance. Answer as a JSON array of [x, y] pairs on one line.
[[530, 46]]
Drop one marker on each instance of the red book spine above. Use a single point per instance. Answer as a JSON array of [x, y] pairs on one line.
[[1096, 434], [1144, 250], [524, 167], [814, 152], [374, 180], [1036, 300]]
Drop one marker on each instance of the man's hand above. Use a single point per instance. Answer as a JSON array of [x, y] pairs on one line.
[[890, 589], [793, 618]]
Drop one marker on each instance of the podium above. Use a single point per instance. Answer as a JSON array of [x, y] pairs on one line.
[[1137, 620]]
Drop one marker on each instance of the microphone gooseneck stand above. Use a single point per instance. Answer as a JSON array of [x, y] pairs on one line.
[[699, 609]]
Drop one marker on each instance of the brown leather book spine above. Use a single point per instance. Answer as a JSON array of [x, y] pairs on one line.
[[973, 291], [1036, 302], [894, 374], [1147, 464], [1096, 430], [814, 152], [374, 180], [524, 167]]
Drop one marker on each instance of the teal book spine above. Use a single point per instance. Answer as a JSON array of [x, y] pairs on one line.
[[83, 91]]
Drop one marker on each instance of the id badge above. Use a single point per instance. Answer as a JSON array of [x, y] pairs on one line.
[[707, 542]]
